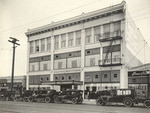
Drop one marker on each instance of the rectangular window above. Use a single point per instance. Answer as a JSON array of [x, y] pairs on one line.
[[117, 28], [70, 39], [48, 44], [31, 47], [59, 65], [97, 34], [56, 42], [92, 61], [37, 46], [74, 64], [45, 66], [63, 40], [106, 31], [78, 38], [43, 44], [88, 35], [33, 68]]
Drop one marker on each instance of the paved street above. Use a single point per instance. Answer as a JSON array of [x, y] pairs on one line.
[[86, 107]]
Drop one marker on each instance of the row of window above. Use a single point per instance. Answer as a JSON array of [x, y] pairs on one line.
[[74, 38]]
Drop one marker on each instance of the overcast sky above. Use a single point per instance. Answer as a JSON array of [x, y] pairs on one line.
[[16, 16]]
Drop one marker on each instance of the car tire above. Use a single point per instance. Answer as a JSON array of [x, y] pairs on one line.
[[147, 103], [47, 99], [128, 102], [56, 100], [74, 101], [30, 99], [100, 102], [80, 100]]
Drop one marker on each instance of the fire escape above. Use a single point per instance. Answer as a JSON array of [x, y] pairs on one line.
[[111, 38]]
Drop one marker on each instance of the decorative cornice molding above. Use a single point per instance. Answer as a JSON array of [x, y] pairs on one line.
[[119, 8]]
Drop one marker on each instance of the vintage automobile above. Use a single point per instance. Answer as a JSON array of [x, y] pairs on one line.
[[43, 95], [25, 95], [125, 96], [8, 95], [73, 96]]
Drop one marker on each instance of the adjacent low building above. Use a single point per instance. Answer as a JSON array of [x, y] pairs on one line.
[[19, 82], [92, 51]]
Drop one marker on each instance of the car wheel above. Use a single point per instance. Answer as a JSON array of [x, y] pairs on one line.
[[100, 102], [56, 100], [147, 103], [30, 99], [128, 103], [80, 100], [74, 101], [47, 99]]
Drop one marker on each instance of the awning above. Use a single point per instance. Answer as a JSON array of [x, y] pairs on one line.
[[62, 82]]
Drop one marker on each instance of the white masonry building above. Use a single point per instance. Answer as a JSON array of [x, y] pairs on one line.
[[90, 51]]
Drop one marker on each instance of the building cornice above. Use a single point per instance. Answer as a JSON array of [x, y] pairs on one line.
[[115, 9]]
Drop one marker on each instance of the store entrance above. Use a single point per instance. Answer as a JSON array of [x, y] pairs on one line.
[[65, 87]]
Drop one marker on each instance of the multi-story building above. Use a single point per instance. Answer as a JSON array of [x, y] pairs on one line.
[[91, 51]]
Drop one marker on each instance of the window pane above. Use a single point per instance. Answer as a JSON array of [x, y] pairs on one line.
[[106, 28], [78, 37], [31, 47], [63, 40], [117, 26], [56, 41], [43, 44], [70, 39], [48, 43], [37, 46], [74, 64]]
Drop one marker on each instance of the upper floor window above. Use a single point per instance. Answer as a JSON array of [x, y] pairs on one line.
[[48, 43], [106, 31], [43, 44], [78, 38], [31, 47], [117, 26], [56, 42], [97, 34], [70, 39], [74, 64], [88, 35], [59, 65], [92, 61], [44, 66], [37, 46], [63, 40]]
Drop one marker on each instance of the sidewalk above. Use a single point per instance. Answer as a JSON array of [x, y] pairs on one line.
[[90, 101]]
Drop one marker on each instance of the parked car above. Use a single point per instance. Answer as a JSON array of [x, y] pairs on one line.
[[7, 95], [47, 96], [125, 96], [25, 95], [73, 96]]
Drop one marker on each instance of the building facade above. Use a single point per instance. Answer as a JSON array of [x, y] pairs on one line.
[[19, 82], [91, 51]]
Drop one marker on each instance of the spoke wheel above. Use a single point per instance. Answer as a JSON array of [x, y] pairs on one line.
[[56, 100], [30, 99], [147, 103], [74, 101], [128, 103], [47, 99], [100, 102]]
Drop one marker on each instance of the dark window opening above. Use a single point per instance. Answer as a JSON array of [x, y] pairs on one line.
[[88, 51], [96, 76], [47, 78], [115, 75], [62, 78], [133, 80], [105, 76], [69, 77], [87, 76], [70, 54]]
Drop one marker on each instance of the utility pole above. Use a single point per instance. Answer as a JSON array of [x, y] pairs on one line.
[[14, 42]]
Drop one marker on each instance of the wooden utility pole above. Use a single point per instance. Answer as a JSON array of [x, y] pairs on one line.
[[14, 42]]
